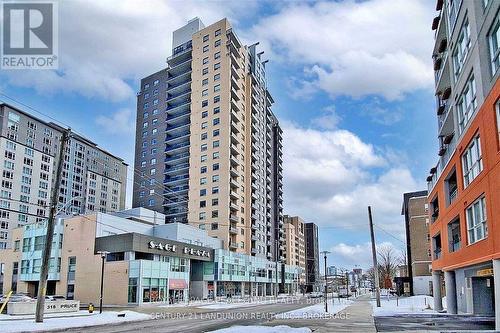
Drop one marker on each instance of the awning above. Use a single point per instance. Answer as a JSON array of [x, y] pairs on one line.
[[177, 284]]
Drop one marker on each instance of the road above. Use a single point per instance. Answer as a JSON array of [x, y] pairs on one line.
[[190, 319], [434, 323]]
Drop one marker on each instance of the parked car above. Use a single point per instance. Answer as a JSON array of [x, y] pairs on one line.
[[316, 294], [20, 297]]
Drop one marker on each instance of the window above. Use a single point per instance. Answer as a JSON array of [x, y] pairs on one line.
[[205, 48], [203, 192], [216, 99], [155, 83], [494, 40], [451, 187], [215, 178], [215, 190], [204, 71], [203, 169], [453, 8], [215, 202], [476, 221], [217, 43], [498, 119], [436, 246], [203, 180], [215, 144], [204, 125], [203, 203], [204, 114], [215, 213], [216, 121], [217, 77], [205, 61], [215, 166], [204, 136], [215, 133], [454, 235], [203, 147], [202, 215], [467, 103], [472, 163], [217, 32], [217, 66], [205, 38], [203, 158], [462, 49], [204, 82], [215, 226], [217, 88], [204, 103], [216, 110], [204, 92], [215, 155], [216, 55]]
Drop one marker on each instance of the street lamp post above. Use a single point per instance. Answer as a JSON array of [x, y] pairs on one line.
[[326, 282], [103, 257]]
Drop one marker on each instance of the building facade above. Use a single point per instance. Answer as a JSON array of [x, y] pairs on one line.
[[146, 262], [312, 256], [92, 179], [463, 186], [418, 246], [295, 248], [210, 113]]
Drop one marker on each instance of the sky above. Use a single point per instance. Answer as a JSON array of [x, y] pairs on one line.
[[352, 83]]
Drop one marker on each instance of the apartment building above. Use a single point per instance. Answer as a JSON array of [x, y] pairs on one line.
[[418, 246], [295, 248], [463, 185], [92, 179], [312, 256], [208, 146]]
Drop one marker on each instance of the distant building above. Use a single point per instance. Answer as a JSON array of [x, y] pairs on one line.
[[331, 271], [295, 251], [312, 256], [418, 246]]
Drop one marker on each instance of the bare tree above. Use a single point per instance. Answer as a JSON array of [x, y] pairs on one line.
[[388, 263]]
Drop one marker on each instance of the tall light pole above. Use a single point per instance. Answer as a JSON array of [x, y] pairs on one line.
[[374, 257], [103, 257], [326, 282]]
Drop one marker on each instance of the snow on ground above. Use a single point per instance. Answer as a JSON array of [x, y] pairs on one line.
[[263, 329], [405, 305], [316, 310], [46, 315], [29, 325]]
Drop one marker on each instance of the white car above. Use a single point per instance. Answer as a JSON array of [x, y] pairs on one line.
[[316, 294]]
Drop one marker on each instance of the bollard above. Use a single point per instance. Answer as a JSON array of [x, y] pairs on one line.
[[91, 308]]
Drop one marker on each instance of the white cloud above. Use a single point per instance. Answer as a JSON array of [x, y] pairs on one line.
[[120, 122], [328, 120], [345, 255], [380, 47], [332, 176], [105, 46]]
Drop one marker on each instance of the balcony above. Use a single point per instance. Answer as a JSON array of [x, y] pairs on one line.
[[178, 107], [175, 179], [233, 245], [169, 169], [233, 218], [254, 237], [177, 127], [233, 183], [233, 194], [177, 158], [177, 147], [234, 206], [233, 230], [177, 118], [172, 96], [234, 94]]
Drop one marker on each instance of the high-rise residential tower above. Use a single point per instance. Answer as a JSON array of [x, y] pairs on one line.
[[92, 179], [463, 186], [208, 146]]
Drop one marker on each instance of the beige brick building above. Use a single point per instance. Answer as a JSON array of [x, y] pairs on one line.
[[295, 244], [415, 209], [223, 165]]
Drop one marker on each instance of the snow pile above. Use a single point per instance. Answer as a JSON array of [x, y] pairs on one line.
[[111, 317], [316, 311], [263, 329], [404, 305]]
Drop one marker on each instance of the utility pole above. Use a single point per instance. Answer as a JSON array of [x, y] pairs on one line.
[[374, 255], [326, 283], [44, 270]]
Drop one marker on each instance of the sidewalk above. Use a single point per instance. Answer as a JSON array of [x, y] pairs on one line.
[[355, 318]]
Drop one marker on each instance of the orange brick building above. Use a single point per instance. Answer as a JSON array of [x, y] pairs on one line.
[[464, 186]]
